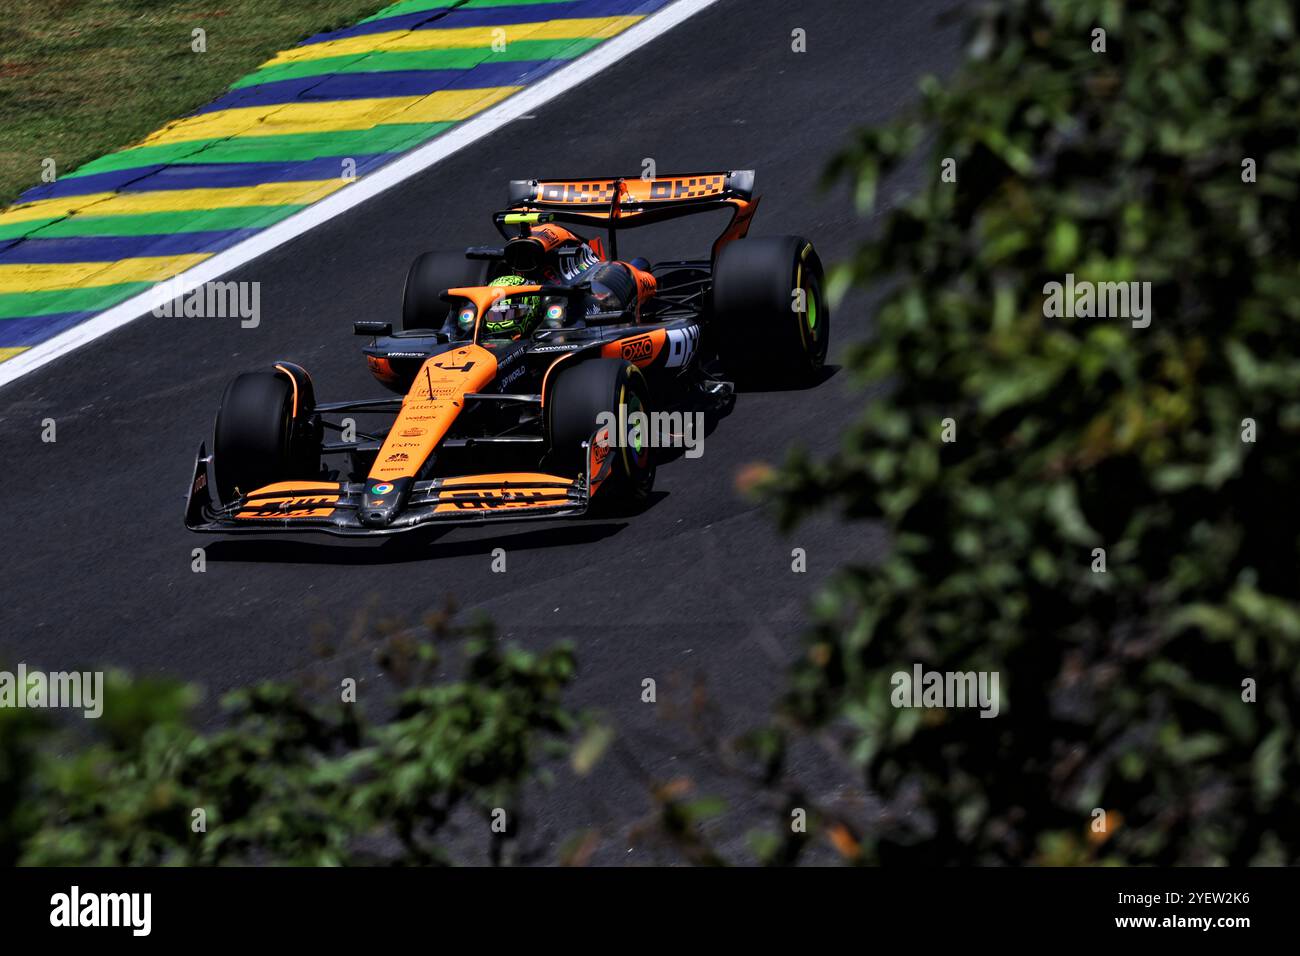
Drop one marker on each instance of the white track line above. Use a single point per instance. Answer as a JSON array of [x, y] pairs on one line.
[[436, 150]]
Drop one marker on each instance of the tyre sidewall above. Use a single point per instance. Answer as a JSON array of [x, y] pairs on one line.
[[580, 394], [429, 276], [253, 435], [762, 339]]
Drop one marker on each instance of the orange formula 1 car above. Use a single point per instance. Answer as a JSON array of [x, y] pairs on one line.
[[511, 364]]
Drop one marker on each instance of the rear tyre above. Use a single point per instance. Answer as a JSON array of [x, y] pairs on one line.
[[577, 400], [257, 440], [431, 274], [759, 286]]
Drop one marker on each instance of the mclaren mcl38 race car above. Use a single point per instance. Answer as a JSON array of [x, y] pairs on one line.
[[516, 367]]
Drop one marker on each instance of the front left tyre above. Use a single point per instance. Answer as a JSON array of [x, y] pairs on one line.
[[584, 396]]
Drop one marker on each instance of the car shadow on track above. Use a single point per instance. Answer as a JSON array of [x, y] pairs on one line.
[[823, 375], [418, 545], [714, 416]]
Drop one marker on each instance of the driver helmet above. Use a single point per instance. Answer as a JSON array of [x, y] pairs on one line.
[[512, 314]]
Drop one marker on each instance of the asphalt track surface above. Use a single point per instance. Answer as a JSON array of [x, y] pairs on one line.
[[696, 592]]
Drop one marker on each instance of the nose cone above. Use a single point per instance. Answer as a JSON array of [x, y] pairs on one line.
[[382, 501]]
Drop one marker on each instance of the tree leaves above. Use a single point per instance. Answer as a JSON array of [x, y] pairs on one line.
[[292, 777], [1075, 433]]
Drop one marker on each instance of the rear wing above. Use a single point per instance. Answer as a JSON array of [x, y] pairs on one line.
[[616, 202], [593, 197]]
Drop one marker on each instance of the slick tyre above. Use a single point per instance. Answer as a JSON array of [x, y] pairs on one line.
[[578, 399], [257, 440], [431, 274], [770, 310]]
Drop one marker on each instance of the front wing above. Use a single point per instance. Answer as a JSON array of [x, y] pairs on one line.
[[334, 507]]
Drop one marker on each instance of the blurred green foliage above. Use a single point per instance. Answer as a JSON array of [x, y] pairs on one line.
[[1121, 690], [291, 777]]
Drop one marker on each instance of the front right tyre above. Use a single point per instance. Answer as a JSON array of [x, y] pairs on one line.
[[431, 274], [262, 435]]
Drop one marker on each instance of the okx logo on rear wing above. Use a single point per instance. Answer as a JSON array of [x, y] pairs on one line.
[[615, 202], [599, 193]]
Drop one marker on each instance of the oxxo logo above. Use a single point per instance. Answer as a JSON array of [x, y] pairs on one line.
[[635, 350]]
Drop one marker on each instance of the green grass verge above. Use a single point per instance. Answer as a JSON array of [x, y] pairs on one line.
[[80, 78]]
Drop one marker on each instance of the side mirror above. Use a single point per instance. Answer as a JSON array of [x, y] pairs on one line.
[[372, 328]]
